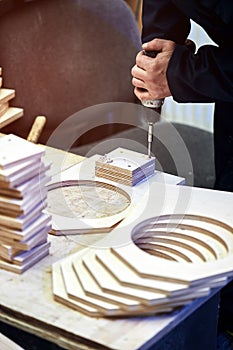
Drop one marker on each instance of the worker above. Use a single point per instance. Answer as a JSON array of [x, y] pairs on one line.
[[205, 75]]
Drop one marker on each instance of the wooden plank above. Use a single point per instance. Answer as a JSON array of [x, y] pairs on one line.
[[4, 106], [58, 323], [60, 294], [8, 266], [25, 151], [11, 114], [6, 95], [20, 222], [125, 166], [38, 237]]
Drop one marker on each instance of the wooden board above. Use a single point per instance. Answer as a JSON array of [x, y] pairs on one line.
[[84, 172], [125, 166], [6, 95], [26, 188], [21, 206], [196, 274], [24, 235], [38, 237], [25, 151], [11, 114], [71, 328], [21, 267], [4, 106]]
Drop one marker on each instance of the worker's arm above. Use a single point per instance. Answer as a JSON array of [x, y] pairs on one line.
[[162, 19], [202, 77], [206, 76]]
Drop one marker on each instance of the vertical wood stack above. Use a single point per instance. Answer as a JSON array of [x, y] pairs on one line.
[[24, 225], [8, 114]]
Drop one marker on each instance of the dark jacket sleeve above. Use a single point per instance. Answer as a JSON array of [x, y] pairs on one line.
[[162, 19], [206, 76]]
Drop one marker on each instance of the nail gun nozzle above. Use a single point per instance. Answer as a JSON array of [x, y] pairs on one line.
[[150, 138]]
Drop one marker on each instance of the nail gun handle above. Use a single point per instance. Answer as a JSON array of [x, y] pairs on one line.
[[156, 104], [151, 54]]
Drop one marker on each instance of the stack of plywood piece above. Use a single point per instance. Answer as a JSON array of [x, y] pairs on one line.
[[125, 166], [24, 225], [8, 114], [184, 257]]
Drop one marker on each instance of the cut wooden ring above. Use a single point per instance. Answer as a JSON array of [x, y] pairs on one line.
[[86, 198], [184, 238]]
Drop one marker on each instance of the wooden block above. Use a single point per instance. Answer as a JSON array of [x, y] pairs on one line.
[[67, 290], [125, 166], [213, 229], [128, 277], [43, 220], [6, 95], [36, 129], [109, 284], [26, 256], [3, 107], [25, 151], [22, 268], [80, 301], [34, 170], [92, 289], [11, 172], [75, 291], [11, 114], [39, 237], [28, 187], [17, 207], [20, 222], [60, 294], [8, 252]]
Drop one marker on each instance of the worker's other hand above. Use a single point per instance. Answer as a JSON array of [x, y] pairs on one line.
[[149, 74]]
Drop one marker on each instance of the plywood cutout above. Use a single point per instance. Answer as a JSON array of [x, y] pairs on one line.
[[161, 283]]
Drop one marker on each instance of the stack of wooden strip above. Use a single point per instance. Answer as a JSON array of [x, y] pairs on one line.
[[8, 114], [125, 166], [24, 225]]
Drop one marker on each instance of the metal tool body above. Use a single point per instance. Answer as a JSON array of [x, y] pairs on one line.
[[153, 104]]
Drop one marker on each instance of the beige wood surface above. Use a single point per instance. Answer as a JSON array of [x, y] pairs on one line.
[[27, 300]]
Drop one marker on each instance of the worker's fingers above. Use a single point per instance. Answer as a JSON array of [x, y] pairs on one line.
[[138, 83], [158, 45], [142, 94], [138, 77], [142, 61]]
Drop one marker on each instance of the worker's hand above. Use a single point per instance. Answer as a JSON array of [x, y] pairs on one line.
[[149, 74]]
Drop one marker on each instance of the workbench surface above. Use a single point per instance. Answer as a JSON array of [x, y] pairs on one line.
[[27, 300]]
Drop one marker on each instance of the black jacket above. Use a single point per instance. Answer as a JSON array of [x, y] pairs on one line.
[[207, 75]]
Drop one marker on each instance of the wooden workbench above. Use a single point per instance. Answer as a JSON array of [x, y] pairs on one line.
[[26, 301]]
